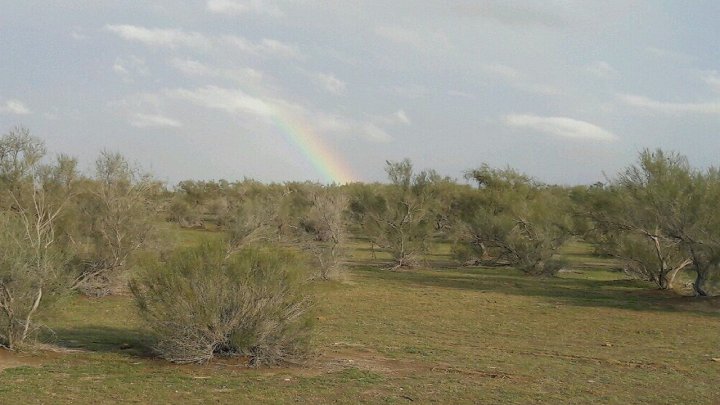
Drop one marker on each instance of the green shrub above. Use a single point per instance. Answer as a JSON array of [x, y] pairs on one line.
[[202, 302]]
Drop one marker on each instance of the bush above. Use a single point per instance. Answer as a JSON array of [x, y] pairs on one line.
[[32, 278], [202, 302]]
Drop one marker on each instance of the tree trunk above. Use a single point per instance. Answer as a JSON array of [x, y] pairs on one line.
[[669, 278], [699, 285]]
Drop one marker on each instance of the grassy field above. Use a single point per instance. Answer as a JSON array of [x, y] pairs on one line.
[[433, 335]]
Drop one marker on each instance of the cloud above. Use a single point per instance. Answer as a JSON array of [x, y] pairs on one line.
[[710, 108], [560, 126], [503, 71], [153, 121], [420, 40], [402, 117], [158, 37], [673, 56], [13, 106], [517, 79], [513, 13], [712, 78], [276, 48], [327, 123], [601, 69], [375, 133], [78, 34], [236, 101], [176, 38], [399, 117], [129, 67], [539, 88], [457, 93], [233, 8], [229, 100], [412, 91], [191, 67], [330, 83]]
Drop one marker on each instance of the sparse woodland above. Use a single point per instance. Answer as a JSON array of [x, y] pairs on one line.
[[64, 232]]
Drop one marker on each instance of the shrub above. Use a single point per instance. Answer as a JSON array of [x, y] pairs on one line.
[[202, 302]]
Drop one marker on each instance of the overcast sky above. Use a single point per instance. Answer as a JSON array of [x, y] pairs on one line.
[[562, 90]]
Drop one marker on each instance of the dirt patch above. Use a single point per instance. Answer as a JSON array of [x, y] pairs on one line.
[[345, 357], [699, 304], [9, 360]]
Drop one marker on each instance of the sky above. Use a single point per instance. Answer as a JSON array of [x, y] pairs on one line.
[[566, 91]]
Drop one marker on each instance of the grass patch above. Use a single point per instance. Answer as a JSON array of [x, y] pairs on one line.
[[445, 335]]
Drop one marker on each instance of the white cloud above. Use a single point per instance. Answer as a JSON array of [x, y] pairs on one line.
[[78, 34], [712, 78], [457, 93], [673, 56], [402, 117], [229, 100], [276, 48], [153, 121], [399, 117], [232, 8], [129, 67], [517, 79], [560, 126], [420, 40], [158, 37], [601, 69], [325, 123], [545, 14], [330, 83], [235, 101], [375, 133], [195, 68], [539, 88], [412, 91], [711, 108], [503, 71], [13, 106], [176, 38]]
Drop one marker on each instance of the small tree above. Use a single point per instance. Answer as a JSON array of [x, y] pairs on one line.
[[398, 218], [253, 222], [117, 218], [32, 268], [322, 230], [661, 217], [202, 303], [512, 220]]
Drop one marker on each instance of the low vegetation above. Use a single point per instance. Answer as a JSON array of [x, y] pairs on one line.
[[202, 302], [420, 289]]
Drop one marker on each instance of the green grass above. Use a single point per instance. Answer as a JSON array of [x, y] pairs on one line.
[[442, 335]]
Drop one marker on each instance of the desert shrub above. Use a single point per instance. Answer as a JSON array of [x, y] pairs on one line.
[[33, 265], [116, 222], [399, 218], [32, 278], [200, 303], [321, 230], [512, 220]]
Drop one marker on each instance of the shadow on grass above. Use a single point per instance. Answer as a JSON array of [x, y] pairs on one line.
[[625, 294], [131, 342]]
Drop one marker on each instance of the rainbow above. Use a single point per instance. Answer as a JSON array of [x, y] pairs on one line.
[[322, 158]]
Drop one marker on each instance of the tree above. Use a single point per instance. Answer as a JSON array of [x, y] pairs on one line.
[[117, 217], [510, 219], [32, 268], [398, 217], [661, 217], [20, 154], [253, 222], [202, 303], [322, 230]]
